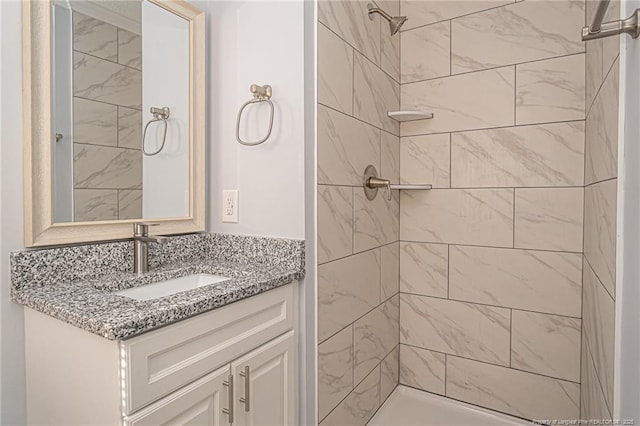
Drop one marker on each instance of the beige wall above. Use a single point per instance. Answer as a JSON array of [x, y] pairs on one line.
[[599, 274], [491, 260], [507, 267], [358, 82], [107, 121]]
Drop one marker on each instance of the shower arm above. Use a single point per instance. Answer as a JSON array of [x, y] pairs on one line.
[[381, 12], [598, 29]]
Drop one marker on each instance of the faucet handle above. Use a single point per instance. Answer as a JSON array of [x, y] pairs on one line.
[[142, 228]]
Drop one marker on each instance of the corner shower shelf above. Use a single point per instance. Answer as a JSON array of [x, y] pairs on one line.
[[411, 187], [402, 116]]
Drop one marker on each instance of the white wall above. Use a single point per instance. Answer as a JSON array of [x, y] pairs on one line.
[[627, 351], [267, 42], [257, 42], [248, 42], [165, 76], [12, 390]]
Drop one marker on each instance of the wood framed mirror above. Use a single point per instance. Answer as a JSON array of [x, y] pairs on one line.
[[96, 75]]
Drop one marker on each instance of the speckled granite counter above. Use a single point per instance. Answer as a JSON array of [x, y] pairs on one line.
[[77, 284]]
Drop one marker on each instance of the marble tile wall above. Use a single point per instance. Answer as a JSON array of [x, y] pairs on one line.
[[491, 259], [107, 121], [600, 211], [507, 267], [358, 251]]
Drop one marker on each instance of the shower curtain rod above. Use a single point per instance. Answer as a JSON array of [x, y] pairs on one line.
[[631, 25]]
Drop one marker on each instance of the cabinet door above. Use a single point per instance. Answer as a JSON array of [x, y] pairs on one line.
[[265, 384], [200, 403]]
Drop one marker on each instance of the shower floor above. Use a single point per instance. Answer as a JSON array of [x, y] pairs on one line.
[[412, 407]]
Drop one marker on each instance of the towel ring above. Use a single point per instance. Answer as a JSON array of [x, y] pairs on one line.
[[159, 114], [260, 94]]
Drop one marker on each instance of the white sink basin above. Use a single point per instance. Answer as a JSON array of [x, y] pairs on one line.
[[169, 287]]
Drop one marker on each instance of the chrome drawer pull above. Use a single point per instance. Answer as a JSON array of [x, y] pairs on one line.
[[247, 394], [229, 411]]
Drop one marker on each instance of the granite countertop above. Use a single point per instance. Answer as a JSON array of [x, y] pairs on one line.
[[77, 285]]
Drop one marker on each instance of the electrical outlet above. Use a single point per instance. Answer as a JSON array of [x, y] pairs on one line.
[[230, 205]]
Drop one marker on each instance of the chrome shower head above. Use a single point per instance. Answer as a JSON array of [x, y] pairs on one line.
[[395, 22]]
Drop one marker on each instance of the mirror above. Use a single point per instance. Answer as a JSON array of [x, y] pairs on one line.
[[114, 105]]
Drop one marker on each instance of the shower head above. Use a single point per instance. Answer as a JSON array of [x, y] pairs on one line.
[[395, 22]]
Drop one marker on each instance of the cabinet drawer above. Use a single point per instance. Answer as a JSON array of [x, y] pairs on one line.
[[161, 361]]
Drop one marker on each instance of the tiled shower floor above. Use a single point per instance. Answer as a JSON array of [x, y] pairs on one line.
[[411, 407]]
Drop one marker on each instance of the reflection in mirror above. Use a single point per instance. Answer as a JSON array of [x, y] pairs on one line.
[[112, 62]]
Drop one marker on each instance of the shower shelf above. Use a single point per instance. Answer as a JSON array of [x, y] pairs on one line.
[[410, 186], [402, 116]]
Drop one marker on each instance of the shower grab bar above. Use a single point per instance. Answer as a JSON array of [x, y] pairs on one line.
[[598, 29], [159, 114], [260, 94]]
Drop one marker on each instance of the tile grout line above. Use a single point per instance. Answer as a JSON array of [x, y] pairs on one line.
[[448, 270], [107, 189], [394, 86], [107, 103], [118, 45], [108, 146], [507, 126], [450, 47], [597, 374], [488, 305], [492, 247], [107, 60], [446, 362], [513, 219], [355, 49], [511, 338], [353, 223], [356, 253], [353, 356], [356, 385], [447, 355], [353, 83], [515, 95], [494, 68], [458, 16], [450, 159], [358, 319], [586, 258], [597, 93], [600, 181], [356, 118]]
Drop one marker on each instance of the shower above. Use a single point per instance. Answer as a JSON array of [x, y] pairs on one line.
[[395, 22]]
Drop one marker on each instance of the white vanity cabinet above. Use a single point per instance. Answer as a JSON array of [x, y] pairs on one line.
[[200, 403], [264, 384], [260, 386], [232, 365]]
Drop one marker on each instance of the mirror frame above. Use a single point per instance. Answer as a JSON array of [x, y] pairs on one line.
[[39, 229]]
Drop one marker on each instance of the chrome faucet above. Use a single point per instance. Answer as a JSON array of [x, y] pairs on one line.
[[141, 240]]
